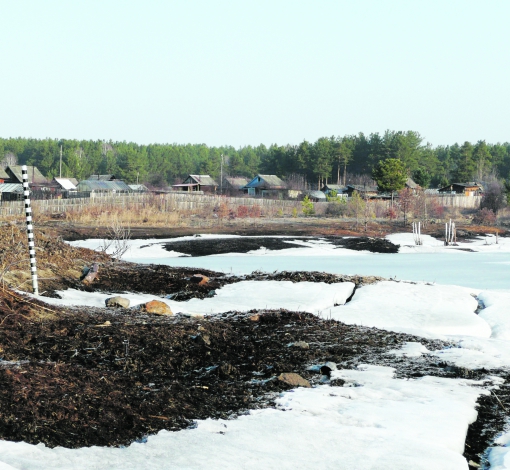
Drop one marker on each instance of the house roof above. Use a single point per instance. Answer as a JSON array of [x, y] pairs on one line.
[[66, 183], [138, 187], [335, 187], [237, 182], [266, 182], [471, 184], [101, 177], [3, 174], [410, 183], [11, 188], [362, 188], [99, 185], [315, 194], [34, 175], [203, 180]]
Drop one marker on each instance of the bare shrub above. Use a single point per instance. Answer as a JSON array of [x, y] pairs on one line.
[[117, 240], [494, 196], [485, 216], [255, 211], [242, 212]]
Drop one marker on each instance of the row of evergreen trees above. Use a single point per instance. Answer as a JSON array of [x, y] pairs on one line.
[[328, 159]]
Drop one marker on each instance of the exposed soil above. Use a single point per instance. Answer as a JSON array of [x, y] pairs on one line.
[[82, 376], [70, 380], [216, 246]]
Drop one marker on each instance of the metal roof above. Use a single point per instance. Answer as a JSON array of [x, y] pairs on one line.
[[138, 187], [266, 182], [66, 183], [11, 188], [98, 185], [315, 194], [3, 174]]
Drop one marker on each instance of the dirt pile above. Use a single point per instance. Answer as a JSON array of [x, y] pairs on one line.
[[56, 260]]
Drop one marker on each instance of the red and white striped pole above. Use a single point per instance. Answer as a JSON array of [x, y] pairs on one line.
[[30, 230]]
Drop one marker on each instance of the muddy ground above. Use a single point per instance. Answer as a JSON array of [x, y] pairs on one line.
[[81, 376]]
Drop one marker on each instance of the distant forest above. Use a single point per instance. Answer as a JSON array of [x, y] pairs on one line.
[[329, 159]]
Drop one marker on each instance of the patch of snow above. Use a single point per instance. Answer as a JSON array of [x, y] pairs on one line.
[[431, 311], [310, 297], [359, 426], [410, 349]]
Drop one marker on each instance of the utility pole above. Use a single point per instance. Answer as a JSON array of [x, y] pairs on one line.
[[221, 175], [60, 173]]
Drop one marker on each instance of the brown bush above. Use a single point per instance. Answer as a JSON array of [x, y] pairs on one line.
[[485, 216]]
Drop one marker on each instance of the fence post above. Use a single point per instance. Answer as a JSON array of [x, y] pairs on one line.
[[30, 230]]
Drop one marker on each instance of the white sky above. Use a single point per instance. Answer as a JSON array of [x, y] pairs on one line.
[[250, 72]]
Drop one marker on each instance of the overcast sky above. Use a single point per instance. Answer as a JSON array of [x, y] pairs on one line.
[[249, 72]]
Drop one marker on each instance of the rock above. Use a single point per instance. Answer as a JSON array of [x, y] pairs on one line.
[[156, 307], [91, 274], [105, 324], [199, 279], [294, 380], [117, 302], [301, 345], [337, 382]]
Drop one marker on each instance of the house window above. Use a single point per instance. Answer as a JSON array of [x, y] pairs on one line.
[[251, 191]]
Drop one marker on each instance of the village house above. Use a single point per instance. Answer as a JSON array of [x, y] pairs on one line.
[[363, 190], [40, 187], [337, 189], [234, 185], [266, 186], [465, 189], [197, 183]]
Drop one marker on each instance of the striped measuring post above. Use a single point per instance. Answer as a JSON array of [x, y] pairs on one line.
[[30, 230]]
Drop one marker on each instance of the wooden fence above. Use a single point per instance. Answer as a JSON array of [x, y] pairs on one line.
[[165, 202], [189, 202]]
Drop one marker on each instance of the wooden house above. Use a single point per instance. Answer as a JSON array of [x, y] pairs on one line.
[[40, 187], [328, 189], [234, 185], [266, 186], [465, 189], [364, 191], [197, 183]]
